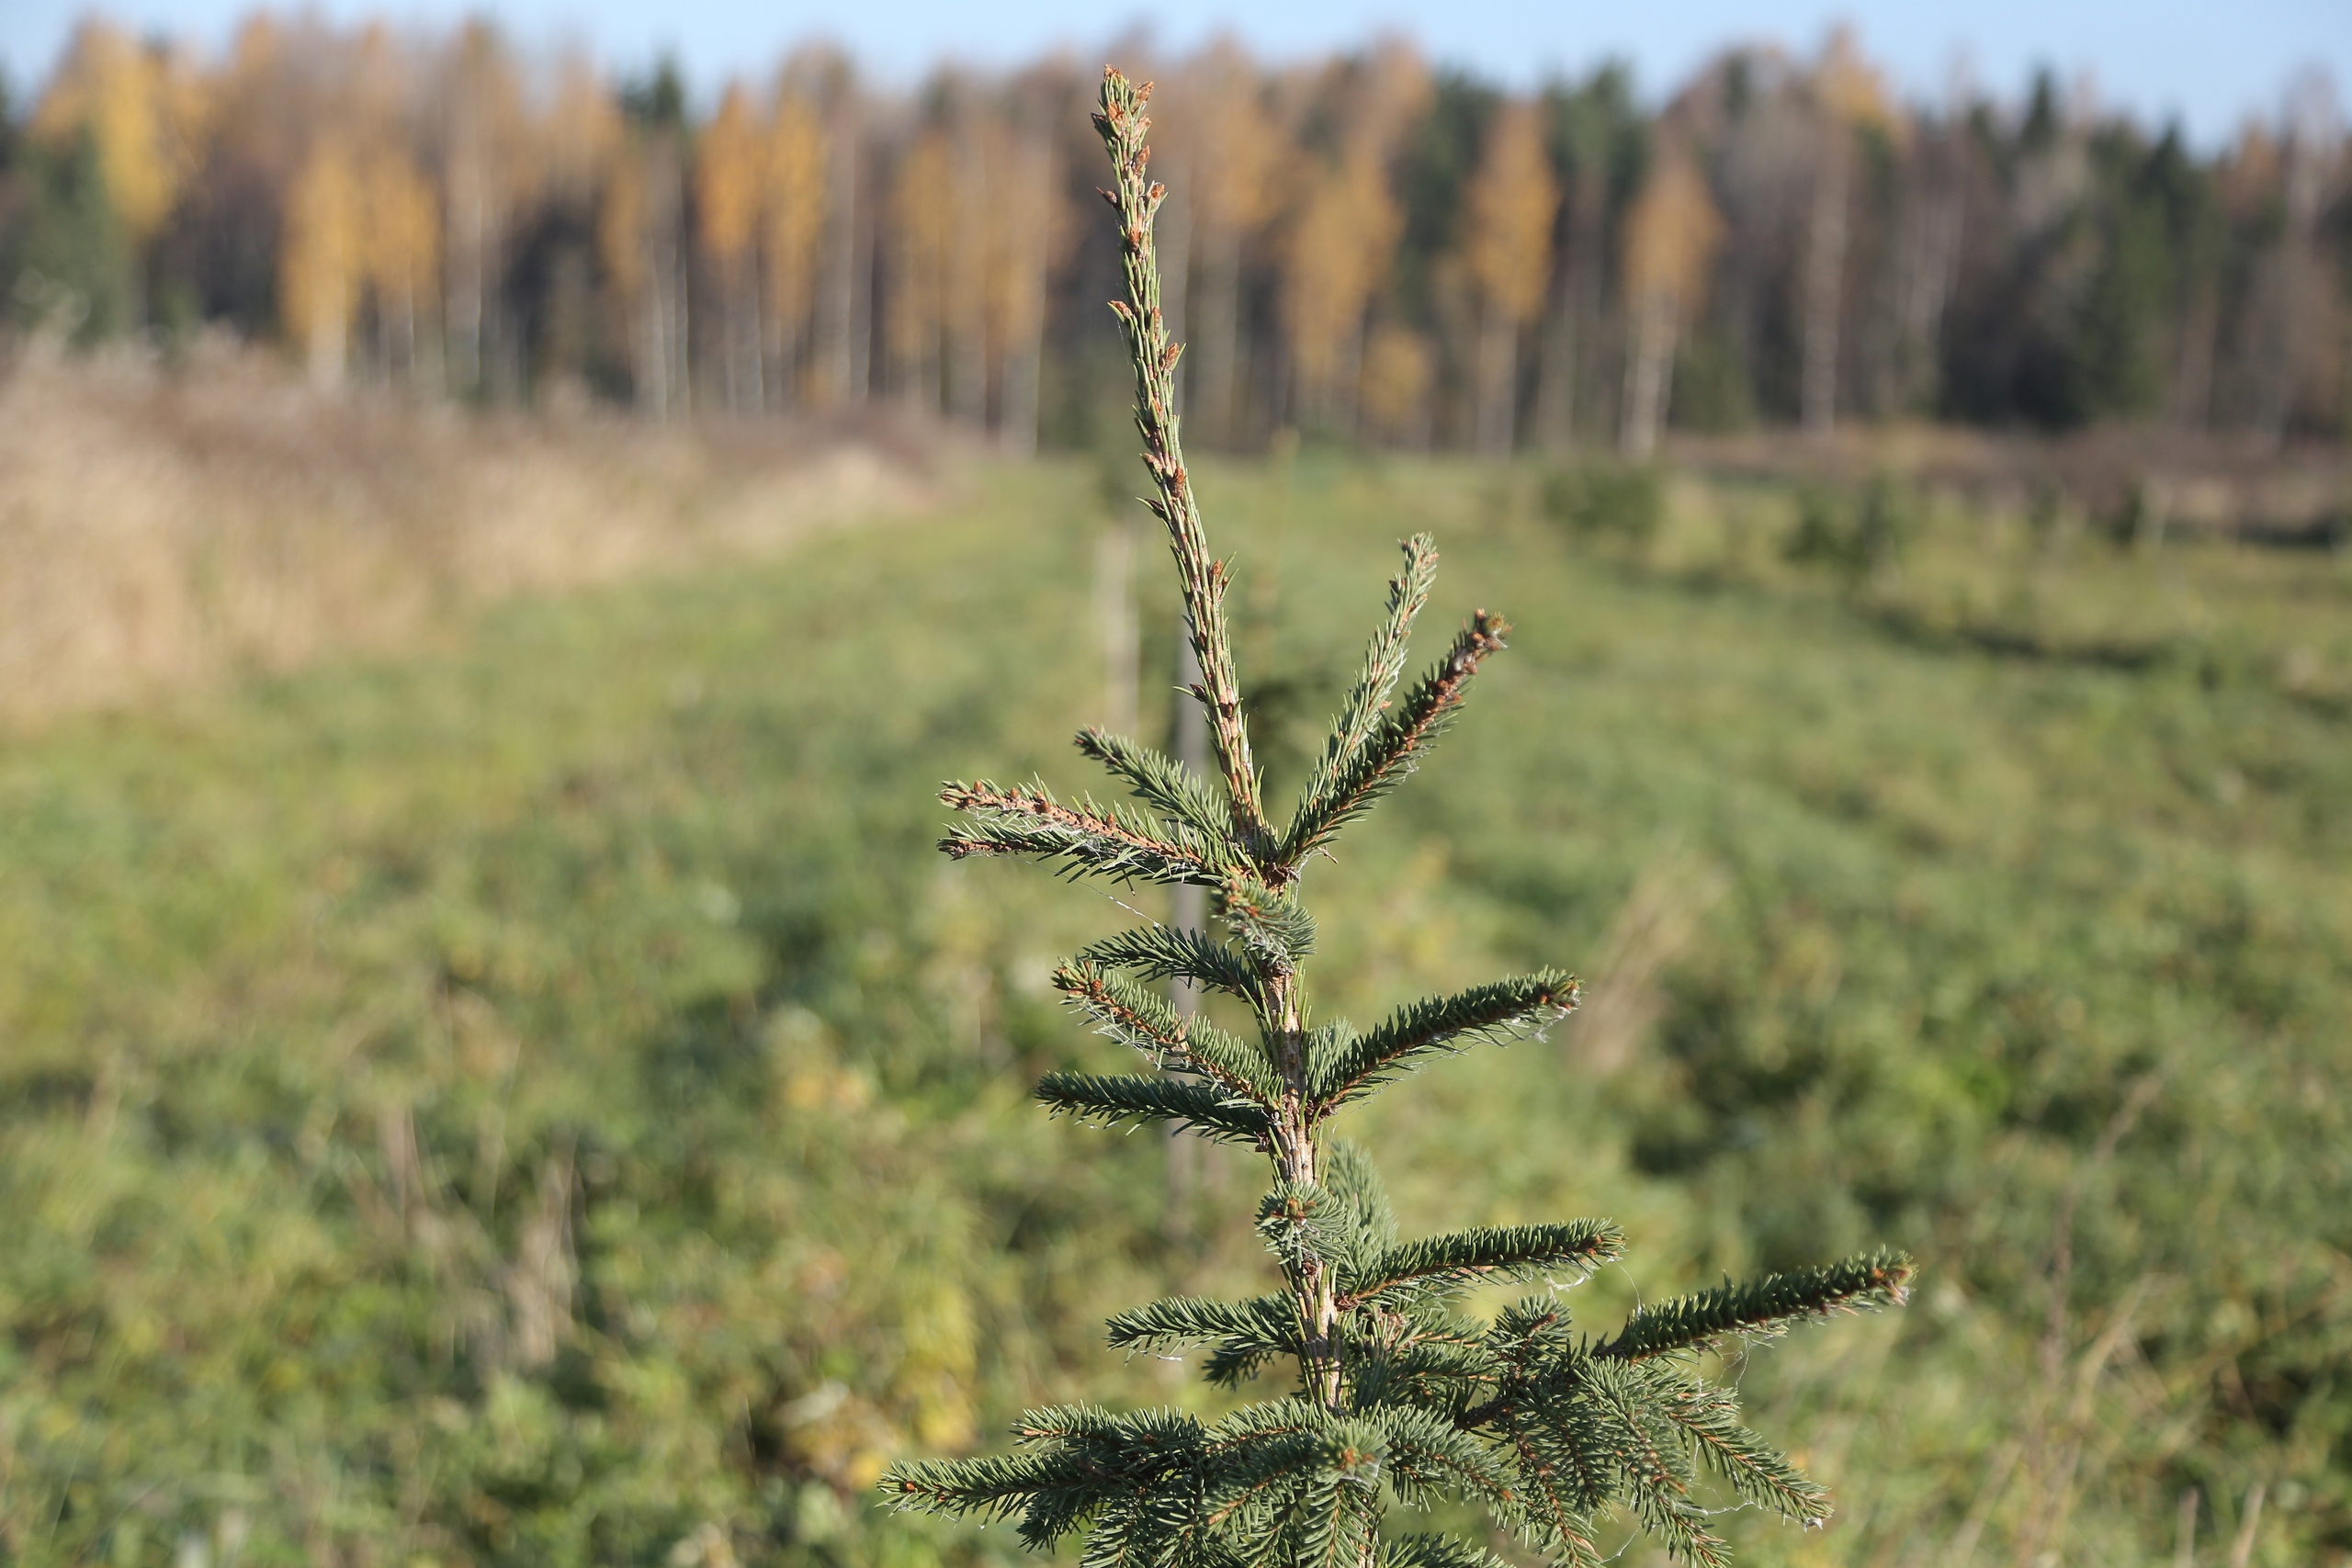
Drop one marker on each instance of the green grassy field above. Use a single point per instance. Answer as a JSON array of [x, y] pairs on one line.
[[543, 1101]]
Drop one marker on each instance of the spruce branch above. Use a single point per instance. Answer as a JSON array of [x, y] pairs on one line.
[[1141, 1019], [1243, 1336], [1434, 1552], [1762, 1307], [991, 1486], [1360, 715], [1650, 1458], [1437, 1366], [1090, 839], [1272, 925], [1338, 1519], [1122, 124], [1392, 753], [1522, 1329], [1510, 1252], [1348, 1174], [1755, 1470], [1122, 1099], [1536, 1358], [1060, 1422], [1501, 1011], [1571, 1449], [1084, 1463], [1158, 953], [1173, 1322], [1303, 1223], [1158, 781], [1427, 1457], [1266, 1461], [1127, 1012], [1551, 1505]]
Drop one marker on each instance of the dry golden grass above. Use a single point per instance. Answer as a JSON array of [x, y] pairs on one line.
[[160, 529]]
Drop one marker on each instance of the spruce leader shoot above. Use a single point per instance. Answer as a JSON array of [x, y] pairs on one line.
[[1399, 1400]]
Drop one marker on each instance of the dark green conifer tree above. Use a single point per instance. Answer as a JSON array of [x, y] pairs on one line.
[[70, 264], [1401, 1399]]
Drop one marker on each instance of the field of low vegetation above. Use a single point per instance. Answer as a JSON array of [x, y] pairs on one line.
[[538, 1097]]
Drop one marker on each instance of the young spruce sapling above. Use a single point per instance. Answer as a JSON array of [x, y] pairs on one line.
[[1401, 1398]]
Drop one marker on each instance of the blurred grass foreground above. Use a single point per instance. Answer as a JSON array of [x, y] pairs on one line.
[[463, 1104]]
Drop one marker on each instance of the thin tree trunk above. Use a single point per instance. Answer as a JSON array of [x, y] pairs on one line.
[[930, 378], [2278, 367], [405, 333], [663, 361], [1017, 317], [775, 376], [654, 359], [1556, 376], [2192, 390], [1649, 369], [2249, 1526], [829, 346], [1825, 277], [1570, 327], [680, 299], [1218, 341], [1497, 382], [670, 282], [859, 363], [469, 239], [1588, 279], [1932, 262], [746, 374], [1017, 415], [1347, 380], [329, 348], [465, 300], [1024, 352], [963, 288]]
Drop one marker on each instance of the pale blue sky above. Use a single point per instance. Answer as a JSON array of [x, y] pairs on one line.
[[2210, 62]]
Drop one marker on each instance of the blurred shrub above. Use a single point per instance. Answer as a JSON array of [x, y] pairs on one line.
[[1863, 535], [1597, 499]]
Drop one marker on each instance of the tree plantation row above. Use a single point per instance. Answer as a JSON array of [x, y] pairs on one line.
[[1367, 247]]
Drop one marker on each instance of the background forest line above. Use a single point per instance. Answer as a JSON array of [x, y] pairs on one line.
[[1369, 246]]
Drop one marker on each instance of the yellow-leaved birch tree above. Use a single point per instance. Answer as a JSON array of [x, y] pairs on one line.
[[1508, 213], [400, 242], [1671, 236], [727, 217], [319, 259], [923, 230], [793, 181], [145, 110], [1018, 222], [638, 239], [1235, 149], [1339, 254], [1847, 95], [487, 170], [1344, 239]]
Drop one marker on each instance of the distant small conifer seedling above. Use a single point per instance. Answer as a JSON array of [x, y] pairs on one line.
[[1401, 1399]]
